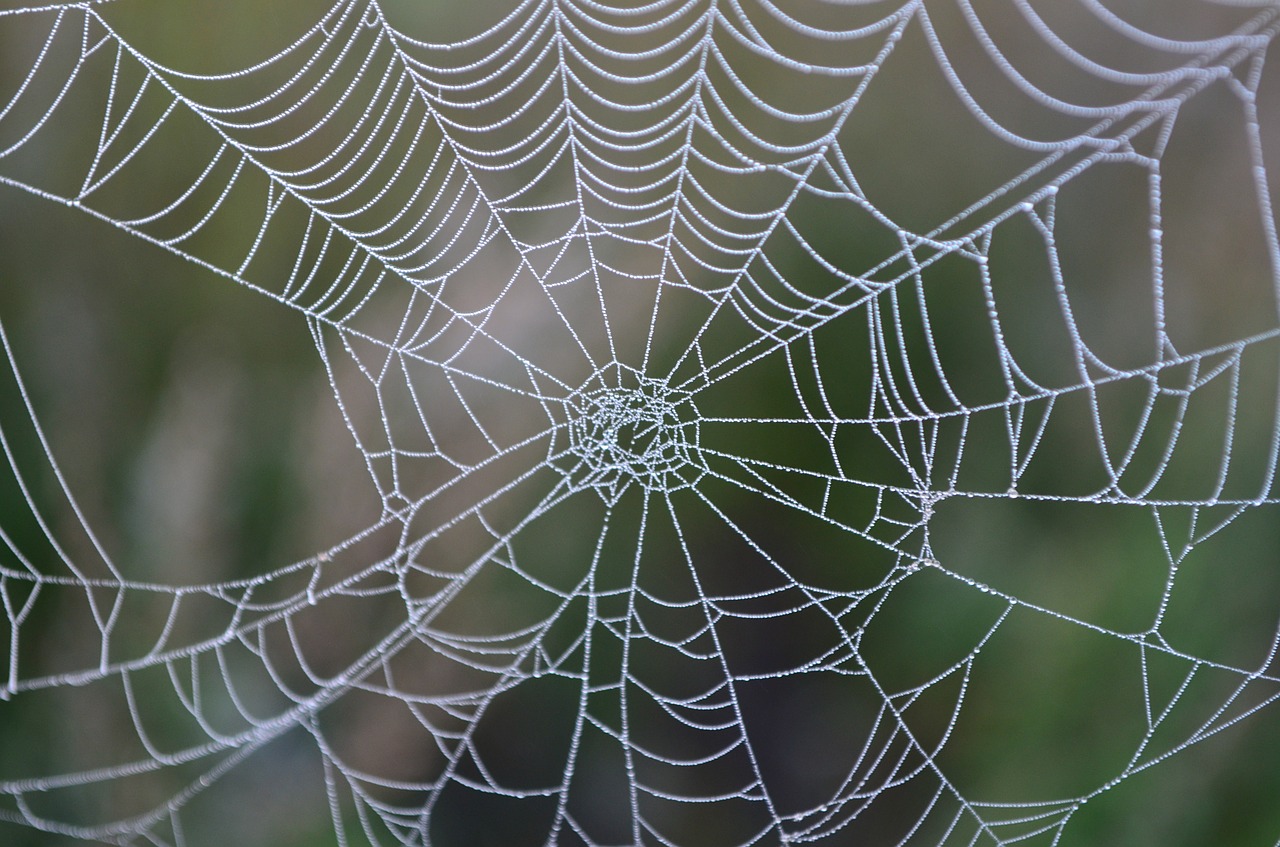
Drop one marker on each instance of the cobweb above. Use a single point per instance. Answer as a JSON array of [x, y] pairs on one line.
[[848, 423]]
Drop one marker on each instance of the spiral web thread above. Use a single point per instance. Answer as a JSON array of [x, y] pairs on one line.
[[547, 269]]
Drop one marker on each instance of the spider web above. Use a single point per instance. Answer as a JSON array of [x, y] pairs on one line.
[[756, 398]]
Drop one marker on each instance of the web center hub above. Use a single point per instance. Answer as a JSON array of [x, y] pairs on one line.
[[624, 427]]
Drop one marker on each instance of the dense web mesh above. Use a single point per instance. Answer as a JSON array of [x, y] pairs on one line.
[[784, 423]]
